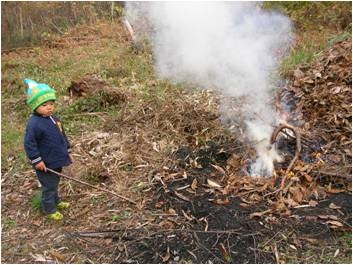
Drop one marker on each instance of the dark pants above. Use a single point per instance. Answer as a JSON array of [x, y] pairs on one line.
[[50, 185]]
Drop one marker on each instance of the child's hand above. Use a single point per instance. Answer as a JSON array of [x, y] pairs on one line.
[[41, 166], [71, 158]]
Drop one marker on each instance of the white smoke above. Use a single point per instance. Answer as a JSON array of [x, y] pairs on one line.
[[232, 47]]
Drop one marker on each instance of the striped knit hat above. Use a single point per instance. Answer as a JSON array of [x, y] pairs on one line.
[[38, 94]]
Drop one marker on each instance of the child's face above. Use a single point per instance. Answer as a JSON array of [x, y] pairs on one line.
[[46, 109]]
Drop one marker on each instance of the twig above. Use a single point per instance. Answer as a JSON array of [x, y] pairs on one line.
[[205, 248], [298, 145], [255, 255], [56, 27], [275, 253], [92, 186], [100, 233], [303, 140]]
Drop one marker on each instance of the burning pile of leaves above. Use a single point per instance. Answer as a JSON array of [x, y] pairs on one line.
[[199, 204]]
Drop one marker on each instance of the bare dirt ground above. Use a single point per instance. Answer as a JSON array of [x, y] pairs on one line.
[[195, 203]]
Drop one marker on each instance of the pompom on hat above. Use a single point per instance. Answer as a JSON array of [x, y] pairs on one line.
[[38, 94]]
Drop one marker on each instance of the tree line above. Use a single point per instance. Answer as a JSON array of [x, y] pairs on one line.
[[28, 23]]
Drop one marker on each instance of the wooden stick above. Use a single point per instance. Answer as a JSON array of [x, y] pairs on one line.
[[298, 144], [92, 186], [297, 151], [129, 29]]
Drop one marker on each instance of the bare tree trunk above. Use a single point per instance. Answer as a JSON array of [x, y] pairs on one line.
[[112, 11], [73, 9], [21, 22], [32, 27]]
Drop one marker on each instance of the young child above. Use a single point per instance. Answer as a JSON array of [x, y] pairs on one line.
[[46, 145]]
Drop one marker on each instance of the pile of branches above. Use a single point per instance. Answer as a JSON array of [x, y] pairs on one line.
[[133, 146]]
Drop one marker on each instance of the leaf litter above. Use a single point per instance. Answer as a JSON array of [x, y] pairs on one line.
[[197, 202]]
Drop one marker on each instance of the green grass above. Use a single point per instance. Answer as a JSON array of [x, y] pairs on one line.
[[310, 47], [339, 37], [302, 55], [36, 202], [122, 216], [12, 145], [316, 26], [9, 223]]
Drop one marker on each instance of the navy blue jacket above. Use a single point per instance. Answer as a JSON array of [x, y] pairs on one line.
[[45, 140]]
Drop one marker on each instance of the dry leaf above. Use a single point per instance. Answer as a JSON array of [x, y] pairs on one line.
[[307, 177], [219, 169], [171, 211], [336, 253], [313, 203], [334, 206], [222, 202], [275, 252], [37, 222], [245, 205], [225, 253], [259, 214], [292, 247], [166, 256], [329, 216], [336, 90], [194, 184], [154, 146], [213, 184], [57, 255], [334, 223], [297, 194], [181, 196]]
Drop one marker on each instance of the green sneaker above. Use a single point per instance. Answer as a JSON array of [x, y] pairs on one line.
[[63, 205], [56, 216]]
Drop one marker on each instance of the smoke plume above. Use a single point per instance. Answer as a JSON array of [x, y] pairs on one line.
[[232, 47]]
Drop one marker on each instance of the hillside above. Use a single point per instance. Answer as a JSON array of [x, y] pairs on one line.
[[163, 145]]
